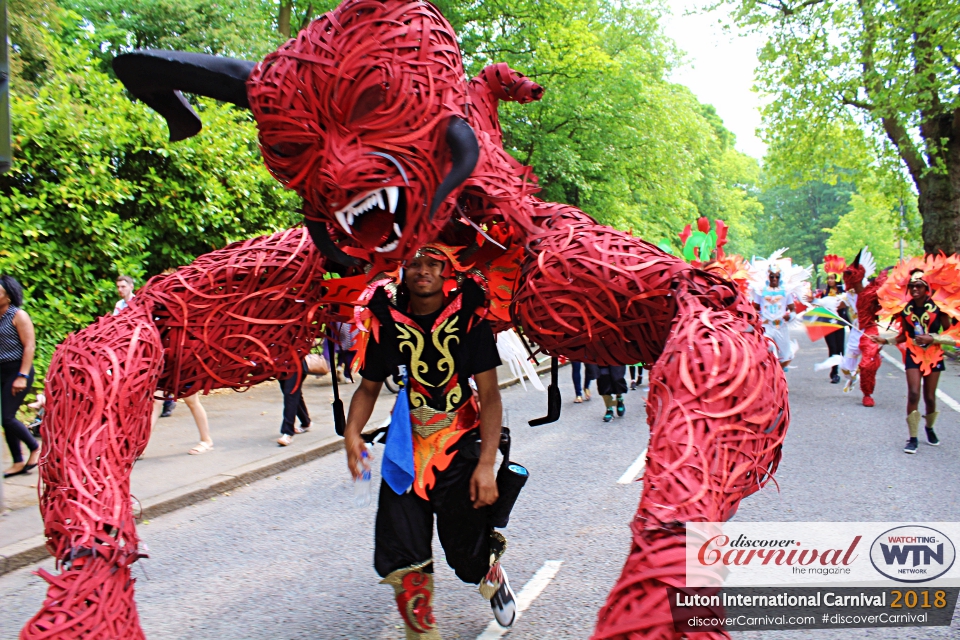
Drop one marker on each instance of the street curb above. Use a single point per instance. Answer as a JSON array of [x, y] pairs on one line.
[[33, 550]]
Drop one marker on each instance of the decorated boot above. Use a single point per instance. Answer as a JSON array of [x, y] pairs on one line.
[[932, 438], [414, 593], [496, 588], [913, 426]]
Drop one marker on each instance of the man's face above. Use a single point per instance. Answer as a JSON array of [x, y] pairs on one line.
[[124, 288], [917, 291], [424, 276], [774, 280]]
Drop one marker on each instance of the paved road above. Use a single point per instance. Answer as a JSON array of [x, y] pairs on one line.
[[290, 557]]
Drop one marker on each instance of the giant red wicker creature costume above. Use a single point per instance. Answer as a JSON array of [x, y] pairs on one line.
[[368, 116]]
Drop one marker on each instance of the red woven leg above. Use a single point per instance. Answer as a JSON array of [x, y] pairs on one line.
[[233, 318], [718, 413], [100, 387]]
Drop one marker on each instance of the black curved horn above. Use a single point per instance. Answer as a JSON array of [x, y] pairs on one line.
[[856, 261], [157, 78], [465, 152], [326, 245]]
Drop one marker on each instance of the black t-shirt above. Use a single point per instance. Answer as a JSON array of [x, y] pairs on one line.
[[432, 378]]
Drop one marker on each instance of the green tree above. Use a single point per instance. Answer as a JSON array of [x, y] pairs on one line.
[[871, 222], [886, 70], [612, 135], [96, 190], [800, 217]]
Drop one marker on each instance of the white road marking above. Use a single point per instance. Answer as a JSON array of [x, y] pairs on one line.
[[947, 400], [525, 598], [635, 469]]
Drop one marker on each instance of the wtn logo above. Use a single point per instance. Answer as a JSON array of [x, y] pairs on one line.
[[896, 554], [912, 553]]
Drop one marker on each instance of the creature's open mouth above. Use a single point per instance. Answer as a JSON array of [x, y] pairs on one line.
[[376, 218]]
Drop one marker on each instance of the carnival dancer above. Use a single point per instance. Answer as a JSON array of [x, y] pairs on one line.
[[924, 327], [439, 343], [777, 284], [861, 359], [829, 297]]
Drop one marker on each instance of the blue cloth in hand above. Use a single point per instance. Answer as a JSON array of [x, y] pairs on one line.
[[397, 468]]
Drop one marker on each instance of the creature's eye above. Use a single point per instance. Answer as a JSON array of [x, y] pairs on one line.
[[370, 99], [288, 149]]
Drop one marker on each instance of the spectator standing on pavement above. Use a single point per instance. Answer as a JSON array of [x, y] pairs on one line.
[[125, 291], [347, 340], [17, 347], [163, 408], [582, 393], [636, 376], [294, 406], [611, 384]]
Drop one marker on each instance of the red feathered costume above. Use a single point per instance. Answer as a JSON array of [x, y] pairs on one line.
[[867, 307]]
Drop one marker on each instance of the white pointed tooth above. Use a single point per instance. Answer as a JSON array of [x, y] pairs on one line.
[[393, 194], [389, 247], [350, 217], [343, 222], [396, 230], [380, 199]]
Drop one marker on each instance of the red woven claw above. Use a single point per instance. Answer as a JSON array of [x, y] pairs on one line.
[[233, 318]]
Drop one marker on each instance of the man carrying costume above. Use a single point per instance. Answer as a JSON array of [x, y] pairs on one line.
[[438, 344], [862, 357], [924, 328]]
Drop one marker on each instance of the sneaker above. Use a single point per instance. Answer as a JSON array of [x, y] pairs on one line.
[[633, 385], [608, 416], [621, 408], [868, 401], [932, 438], [284, 440], [504, 602], [835, 379], [302, 428], [911, 446]]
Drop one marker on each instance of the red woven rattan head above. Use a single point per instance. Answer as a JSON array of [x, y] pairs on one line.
[[362, 100]]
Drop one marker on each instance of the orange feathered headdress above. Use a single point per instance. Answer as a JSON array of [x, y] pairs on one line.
[[941, 273], [834, 264]]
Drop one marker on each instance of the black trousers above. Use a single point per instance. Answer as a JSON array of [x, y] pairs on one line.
[[836, 341], [610, 380], [293, 405], [404, 529], [13, 430]]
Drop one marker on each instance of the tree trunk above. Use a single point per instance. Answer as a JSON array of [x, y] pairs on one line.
[[939, 205], [939, 200], [283, 19]]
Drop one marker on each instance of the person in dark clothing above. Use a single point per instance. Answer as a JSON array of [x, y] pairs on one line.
[[17, 348], [636, 376], [612, 385], [582, 392], [836, 339], [294, 406], [437, 344]]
